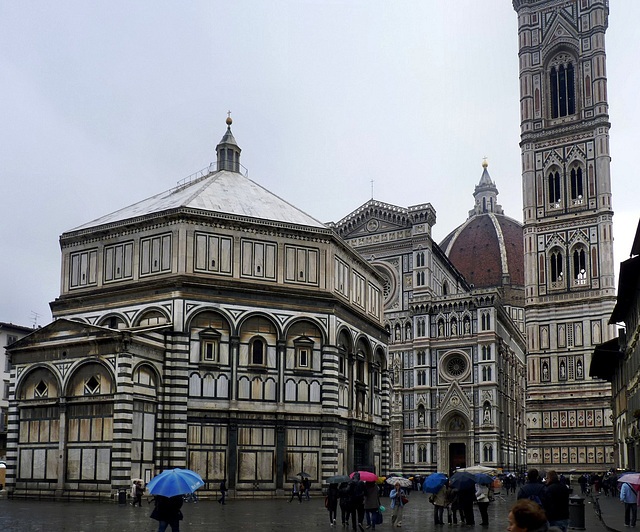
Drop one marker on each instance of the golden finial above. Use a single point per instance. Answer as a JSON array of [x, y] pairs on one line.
[[229, 121], [484, 162]]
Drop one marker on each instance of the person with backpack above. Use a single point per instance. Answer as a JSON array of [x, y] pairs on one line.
[[534, 489], [629, 496]]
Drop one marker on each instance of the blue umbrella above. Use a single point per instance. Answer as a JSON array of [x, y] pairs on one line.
[[484, 479], [175, 482], [434, 482]]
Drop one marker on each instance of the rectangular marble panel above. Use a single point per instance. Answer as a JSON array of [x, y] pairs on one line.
[[39, 463], [53, 462], [88, 466], [26, 463], [73, 464], [103, 464]]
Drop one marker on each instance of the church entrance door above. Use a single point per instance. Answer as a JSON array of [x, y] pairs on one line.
[[457, 456]]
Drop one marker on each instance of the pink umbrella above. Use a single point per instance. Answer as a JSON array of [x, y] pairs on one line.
[[630, 478], [367, 476]]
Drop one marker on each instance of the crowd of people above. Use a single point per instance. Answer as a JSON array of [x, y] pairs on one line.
[[542, 502]]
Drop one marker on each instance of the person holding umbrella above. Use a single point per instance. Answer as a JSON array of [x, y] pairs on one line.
[[398, 497], [629, 497], [169, 488], [483, 497], [167, 512]]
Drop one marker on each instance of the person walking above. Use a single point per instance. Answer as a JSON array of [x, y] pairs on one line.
[[356, 501], [371, 504], [556, 502], [306, 486], [332, 503], [398, 496], [296, 491], [137, 491], [629, 497], [223, 490], [166, 511], [343, 494], [482, 496]]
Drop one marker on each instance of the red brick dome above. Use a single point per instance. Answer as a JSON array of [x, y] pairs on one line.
[[488, 250]]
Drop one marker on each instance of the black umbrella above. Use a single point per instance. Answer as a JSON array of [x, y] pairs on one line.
[[462, 480], [303, 474], [338, 479]]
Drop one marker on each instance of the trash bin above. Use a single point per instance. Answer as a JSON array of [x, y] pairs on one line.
[[576, 512], [122, 497]]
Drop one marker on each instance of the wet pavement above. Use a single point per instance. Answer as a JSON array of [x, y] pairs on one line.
[[267, 515]]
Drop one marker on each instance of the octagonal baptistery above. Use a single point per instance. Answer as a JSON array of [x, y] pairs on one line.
[[488, 248], [213, 326]]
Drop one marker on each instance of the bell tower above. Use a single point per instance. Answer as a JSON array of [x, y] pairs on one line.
[[568, 241]]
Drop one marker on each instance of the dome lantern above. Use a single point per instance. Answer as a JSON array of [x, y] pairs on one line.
[[228, 150]]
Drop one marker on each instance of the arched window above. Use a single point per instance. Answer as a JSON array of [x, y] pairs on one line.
[[422, 454], [445, 288], [580, 266], [486, 352], [257, 351], [577, 189], [486, 373], [562, 88], [554, 187], [556, 267], [487, 453]]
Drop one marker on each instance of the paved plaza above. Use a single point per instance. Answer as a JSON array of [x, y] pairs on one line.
[[266, 515]]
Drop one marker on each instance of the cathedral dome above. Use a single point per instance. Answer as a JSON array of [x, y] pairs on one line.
[[488, 248]]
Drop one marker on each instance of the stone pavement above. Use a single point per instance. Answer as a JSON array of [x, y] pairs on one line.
[[266, 515]]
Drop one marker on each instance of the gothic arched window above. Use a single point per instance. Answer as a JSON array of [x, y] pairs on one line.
[[556, 267], [554, 187], [487, 453], [577, 189], [579, 266], [445, 288], [562, 88]]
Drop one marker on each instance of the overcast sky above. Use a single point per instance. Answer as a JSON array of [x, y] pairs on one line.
[[104, 103]]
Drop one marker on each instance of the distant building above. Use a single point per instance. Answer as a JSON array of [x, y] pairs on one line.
[[618, 361], [9, 333], [213, 326], [456, 355]]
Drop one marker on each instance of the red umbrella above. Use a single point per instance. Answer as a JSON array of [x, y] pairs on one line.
[[367, 476]]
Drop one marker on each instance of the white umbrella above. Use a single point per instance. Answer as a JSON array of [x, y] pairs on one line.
[[481, 469]]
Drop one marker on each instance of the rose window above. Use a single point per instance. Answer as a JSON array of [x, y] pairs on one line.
[[456, 366]]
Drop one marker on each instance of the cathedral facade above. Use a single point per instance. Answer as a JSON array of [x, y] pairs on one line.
[[213, 326], [568, 240], [456, 353]]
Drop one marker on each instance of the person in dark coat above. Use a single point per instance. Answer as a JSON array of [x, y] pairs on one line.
[[556, 502], [466, 498], [223, 490], [332, 503], [371, 504], [343, 495], [534, 489], [167, 512], [356, 501]]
